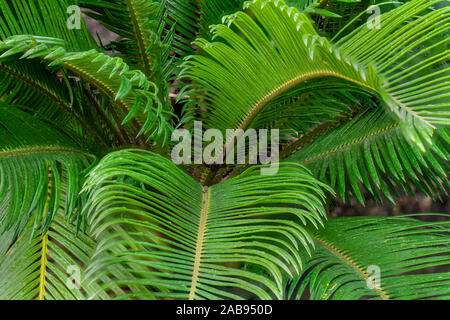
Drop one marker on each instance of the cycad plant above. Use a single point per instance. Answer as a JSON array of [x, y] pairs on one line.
[[94, 207]]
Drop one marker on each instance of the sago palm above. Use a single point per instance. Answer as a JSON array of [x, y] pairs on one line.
[[93, 207]]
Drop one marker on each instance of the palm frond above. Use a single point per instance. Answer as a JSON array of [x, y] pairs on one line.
[[371, 151], [145, 42], [193, 17], [27, 83], [414, 73], [189, 240], [132, 20], [389, 264], [49, 265], [46, 18], [34, 159], [135, 96], [240, 77], [40, 92], [315, 7]]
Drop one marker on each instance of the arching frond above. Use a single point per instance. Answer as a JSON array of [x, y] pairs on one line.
[[189, 240], [33, 159], [40, 267], [49, 266], [40, 92], [133, 93], [371, 151], [136, 22], [415, 74], [27, 83], [388, 264], [145, 41], [273, 55]]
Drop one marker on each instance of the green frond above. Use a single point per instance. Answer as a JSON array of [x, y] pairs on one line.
[[145, 41], [277, 50], [390, 263], [190, 240], [313, 7], [48, 266], [266, 63], [370, 152], [193, 17], [34, 160], [294, 114], [415, 74], [134, 95], [41, 93], [26, 83], [46, 18], [140, 24], [154, 35]]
